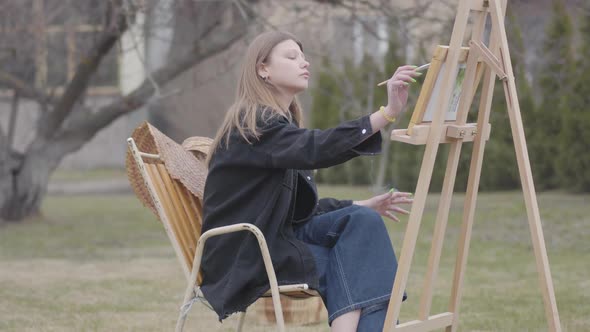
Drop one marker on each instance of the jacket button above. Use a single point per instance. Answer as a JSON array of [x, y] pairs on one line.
[[364, 131], [309, 178]]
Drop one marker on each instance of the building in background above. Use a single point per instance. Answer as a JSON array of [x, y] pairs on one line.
[[56, 36]]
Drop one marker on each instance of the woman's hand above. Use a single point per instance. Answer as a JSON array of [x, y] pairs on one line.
[[386, 204], [397, 89]]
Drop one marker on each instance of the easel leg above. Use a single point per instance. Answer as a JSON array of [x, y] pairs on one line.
[[471, 197], [526, 178], [532, 208]]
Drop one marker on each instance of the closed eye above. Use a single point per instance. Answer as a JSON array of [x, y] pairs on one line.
[[294, 54]]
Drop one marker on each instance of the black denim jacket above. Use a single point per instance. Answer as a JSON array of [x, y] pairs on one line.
[[269, 183]]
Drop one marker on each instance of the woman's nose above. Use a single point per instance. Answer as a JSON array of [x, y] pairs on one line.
[[305, 64]]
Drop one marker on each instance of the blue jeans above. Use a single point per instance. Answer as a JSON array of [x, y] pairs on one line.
[[355, 262]]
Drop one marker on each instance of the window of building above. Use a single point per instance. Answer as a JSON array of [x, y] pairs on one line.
[[43, 41]]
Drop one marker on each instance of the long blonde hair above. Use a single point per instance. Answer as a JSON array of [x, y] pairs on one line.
[[254, 93]]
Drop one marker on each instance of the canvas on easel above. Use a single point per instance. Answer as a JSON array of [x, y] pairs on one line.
[[428, 100], [481, 62]]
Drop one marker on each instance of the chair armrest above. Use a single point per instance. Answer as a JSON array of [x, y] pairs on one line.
[[232, 229], [272, 279]]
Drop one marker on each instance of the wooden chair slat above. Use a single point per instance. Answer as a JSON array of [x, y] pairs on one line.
[[191, 214], [165, 200], [198, 206], [183, 219], [182, 233]]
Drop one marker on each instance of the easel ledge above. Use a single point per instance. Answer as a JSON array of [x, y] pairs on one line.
[[451, 133]]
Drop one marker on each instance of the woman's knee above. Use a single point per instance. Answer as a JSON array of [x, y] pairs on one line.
[[368, 218]]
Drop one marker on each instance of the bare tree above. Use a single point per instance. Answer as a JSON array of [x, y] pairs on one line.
[[66, 123]]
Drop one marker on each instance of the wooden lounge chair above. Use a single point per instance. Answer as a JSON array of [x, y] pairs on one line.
[[169, 180]]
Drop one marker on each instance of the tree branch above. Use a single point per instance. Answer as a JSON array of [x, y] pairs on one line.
[[82, 128], [50, 122]]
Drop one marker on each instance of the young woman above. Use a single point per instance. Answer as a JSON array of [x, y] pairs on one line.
[[260, 172]]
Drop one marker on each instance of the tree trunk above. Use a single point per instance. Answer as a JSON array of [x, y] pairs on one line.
[[23, 187], [24, 178]]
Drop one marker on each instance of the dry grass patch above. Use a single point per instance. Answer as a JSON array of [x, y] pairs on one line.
[[103, 263]]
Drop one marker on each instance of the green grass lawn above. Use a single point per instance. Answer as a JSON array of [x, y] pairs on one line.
[[103, 263], [67, 175]]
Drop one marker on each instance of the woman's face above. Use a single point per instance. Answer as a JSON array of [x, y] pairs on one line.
[[286, 68]]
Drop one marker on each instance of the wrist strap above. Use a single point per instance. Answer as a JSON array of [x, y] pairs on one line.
[[387, 117]]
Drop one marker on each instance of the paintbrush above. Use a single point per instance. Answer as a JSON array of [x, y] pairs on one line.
[[421, 68]]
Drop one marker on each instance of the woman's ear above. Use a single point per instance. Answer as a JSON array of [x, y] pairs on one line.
[[262, 71]]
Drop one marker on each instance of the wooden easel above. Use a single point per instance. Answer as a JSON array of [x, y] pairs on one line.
[[496, 62]]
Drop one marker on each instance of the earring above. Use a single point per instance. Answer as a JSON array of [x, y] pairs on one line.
[[265, 78]]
